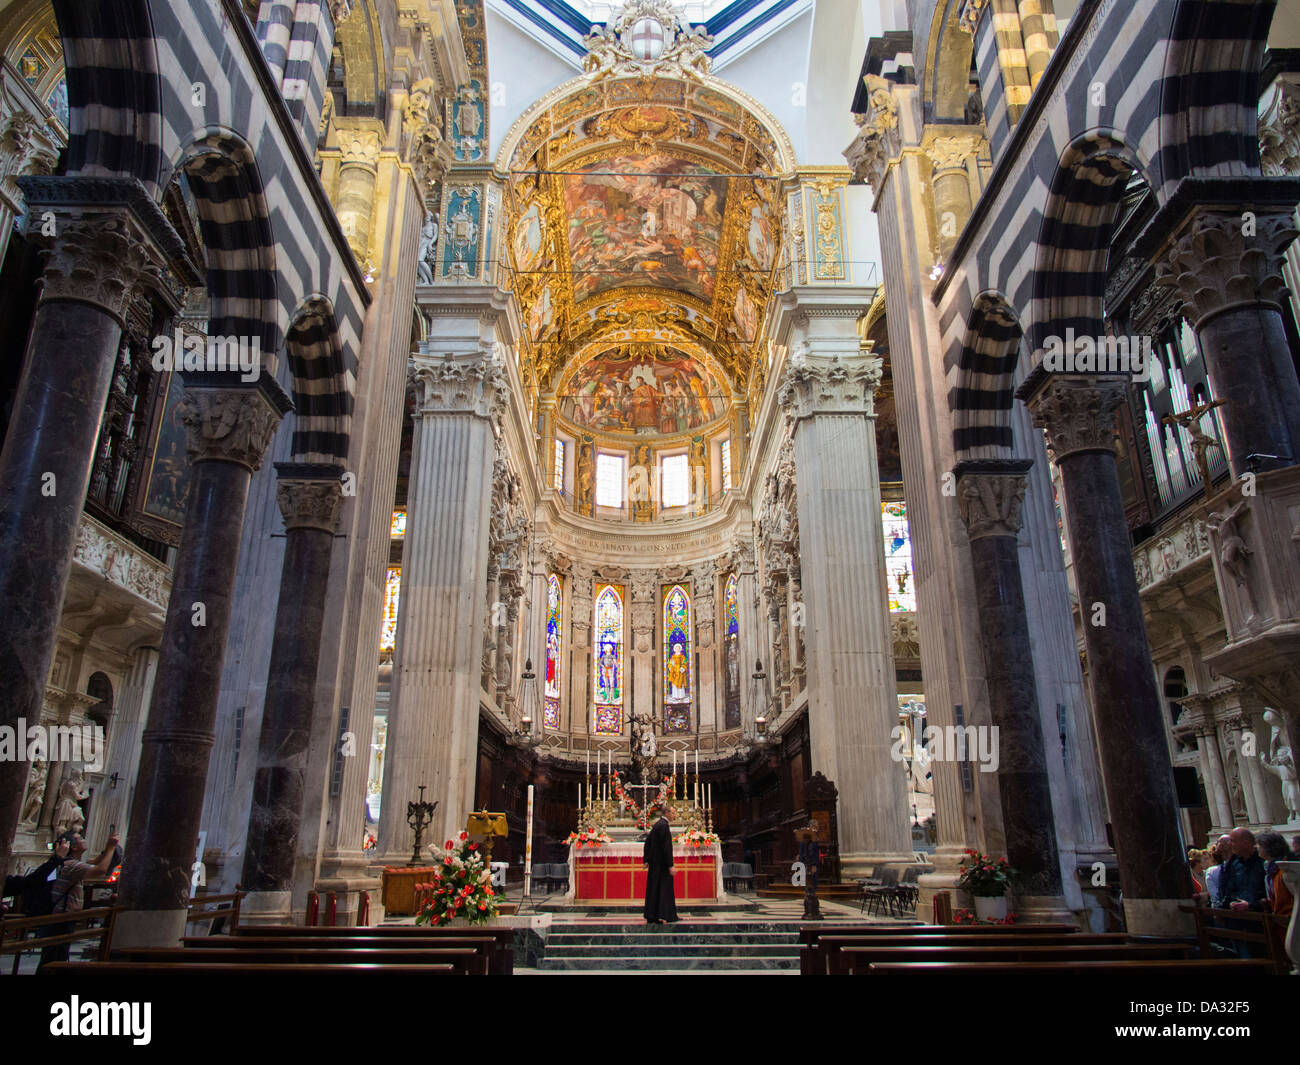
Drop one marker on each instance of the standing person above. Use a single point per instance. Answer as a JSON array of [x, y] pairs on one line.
[[1219, 854], [1272, 848], [67, 894], [657, 857]]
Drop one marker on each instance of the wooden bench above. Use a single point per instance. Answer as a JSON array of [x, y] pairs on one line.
[[1196, 967], [854, 961], [809, 935], [82, 969], [466, 960], [488, 946], [821, 960], [1210, 926], [503, 955], [14, 939], [227, 906]]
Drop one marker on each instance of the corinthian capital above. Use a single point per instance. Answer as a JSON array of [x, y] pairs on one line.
[[835, 384], [1078, 413], [1220, 261], [1279, 129], [990, 495], [469, 384], [309, 496], [228, 425]]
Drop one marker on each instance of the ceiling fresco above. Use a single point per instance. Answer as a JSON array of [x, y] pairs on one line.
[[645, 242]]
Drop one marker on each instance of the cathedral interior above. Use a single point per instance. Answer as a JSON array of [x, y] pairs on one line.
[[460, 402]]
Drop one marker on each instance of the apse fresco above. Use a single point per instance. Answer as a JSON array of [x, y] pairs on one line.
[[645, 220], [629, 392]]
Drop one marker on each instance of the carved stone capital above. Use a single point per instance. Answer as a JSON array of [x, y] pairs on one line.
[[1078, 413], [339, 10], [309, 497], [359, 145], [877, 140], [228, 425], [461, 384], [836, 384], [951, 153], [990, 496], [1214, 266], [1279, 129]]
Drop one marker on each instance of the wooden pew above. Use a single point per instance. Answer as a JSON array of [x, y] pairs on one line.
[[810, 934], [467, 961], [1270, 932], [821, 960], [855, 961], [503, 957], [1195, 967], [80, 969], [13, 931], [488, 946]]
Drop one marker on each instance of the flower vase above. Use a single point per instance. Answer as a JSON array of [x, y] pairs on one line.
[[991, 908]]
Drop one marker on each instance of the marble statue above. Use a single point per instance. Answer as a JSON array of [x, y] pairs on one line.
[[645, 747], [1281, 763], [68, 815], [428, 240], [37, 779]]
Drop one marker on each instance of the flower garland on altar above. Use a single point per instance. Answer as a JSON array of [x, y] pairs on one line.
[[461, 887], [631, 806], [696, 838], [588, 839]]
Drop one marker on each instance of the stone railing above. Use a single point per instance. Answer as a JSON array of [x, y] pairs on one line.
[[1175, 549]]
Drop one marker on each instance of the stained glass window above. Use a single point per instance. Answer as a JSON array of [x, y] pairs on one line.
[[554, 621], [609, 480], [677, 660], [397, 529], [731, 648], [392, 585], [559, 465], [726, 465], [677, 481], [608, 664], [898, 556]]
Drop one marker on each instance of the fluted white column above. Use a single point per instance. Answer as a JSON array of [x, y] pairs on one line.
[[852, 692], [1216, 785], [113, 805], [433, 722]]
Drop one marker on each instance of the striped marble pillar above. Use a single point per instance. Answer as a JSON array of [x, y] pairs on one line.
[[433, 719], [852, 693]]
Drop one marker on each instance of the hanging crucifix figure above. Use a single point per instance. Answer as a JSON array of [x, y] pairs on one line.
[[1201, 442]]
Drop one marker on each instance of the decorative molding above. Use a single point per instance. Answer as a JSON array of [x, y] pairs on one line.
[[877, 141], [647, 39], [1159, 559], [1279, 129], [118, 561]]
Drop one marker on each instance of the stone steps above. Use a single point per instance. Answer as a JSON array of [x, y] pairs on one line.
[[689, 946]]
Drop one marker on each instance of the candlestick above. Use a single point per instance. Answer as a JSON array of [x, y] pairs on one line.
[[528, 843]]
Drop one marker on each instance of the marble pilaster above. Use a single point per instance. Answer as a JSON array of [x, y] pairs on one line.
[[1216, 784], [308, 497], [108, 237], [433, 720], [113, 805], [1079, 416], [229, 429], [852, 697]]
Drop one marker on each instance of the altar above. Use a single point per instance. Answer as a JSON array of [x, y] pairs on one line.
[[612, 873]]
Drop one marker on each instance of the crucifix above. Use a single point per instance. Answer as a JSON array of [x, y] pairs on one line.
[[1201, 442]]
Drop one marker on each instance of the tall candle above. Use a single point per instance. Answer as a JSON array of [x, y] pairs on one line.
[[528, 843]]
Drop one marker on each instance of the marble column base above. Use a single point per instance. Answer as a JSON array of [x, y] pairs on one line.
[[1043, 909], [267, 907], [860, 864], [1158, 917], [149, 928]]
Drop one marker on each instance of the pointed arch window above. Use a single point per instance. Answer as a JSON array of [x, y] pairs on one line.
[[607, 682], [554, 638], [678, 667], [731, 649]]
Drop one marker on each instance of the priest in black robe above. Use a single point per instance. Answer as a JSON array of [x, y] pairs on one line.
[[657, 856]]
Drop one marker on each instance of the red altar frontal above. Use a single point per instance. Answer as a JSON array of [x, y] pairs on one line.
[[613, 873]]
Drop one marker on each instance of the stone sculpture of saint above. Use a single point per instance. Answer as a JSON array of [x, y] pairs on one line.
[[68, 816], [1280, 761], [37, 779]]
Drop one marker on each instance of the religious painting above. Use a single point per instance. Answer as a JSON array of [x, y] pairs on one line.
[[608, 660], [759, 239], [645, 220], [677, 660], [528, 238], [731, 650], [746, 315], [165, 484], [541, 314], [554, 617], [632, 391]]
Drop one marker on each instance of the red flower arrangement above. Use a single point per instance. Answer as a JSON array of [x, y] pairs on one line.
[[461, 886], [588, 839]]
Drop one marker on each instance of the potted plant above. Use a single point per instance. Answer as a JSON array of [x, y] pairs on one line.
[[986, 879]]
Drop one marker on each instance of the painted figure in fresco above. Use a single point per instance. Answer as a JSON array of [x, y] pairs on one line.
[[677, 675]]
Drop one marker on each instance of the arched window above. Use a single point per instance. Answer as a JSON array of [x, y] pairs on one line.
[[731, 648], [554, 621], [608, 664], [677, 660]]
